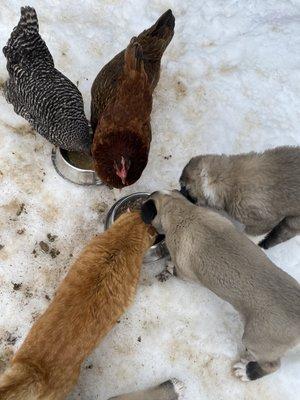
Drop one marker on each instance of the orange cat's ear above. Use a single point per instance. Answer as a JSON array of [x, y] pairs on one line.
[[128, 210]]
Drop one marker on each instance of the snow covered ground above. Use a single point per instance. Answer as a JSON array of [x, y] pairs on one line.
[[230, 82]]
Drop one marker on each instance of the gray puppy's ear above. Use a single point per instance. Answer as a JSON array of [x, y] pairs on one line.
[[148, 211]]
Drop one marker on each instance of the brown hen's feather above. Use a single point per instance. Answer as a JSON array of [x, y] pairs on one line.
[[122, 104]]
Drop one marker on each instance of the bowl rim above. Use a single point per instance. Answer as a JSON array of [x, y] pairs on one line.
[[111, 213], [71, 165], [59, 162]]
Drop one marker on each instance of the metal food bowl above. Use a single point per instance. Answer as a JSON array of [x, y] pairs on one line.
[[75, 167], [158, 250]]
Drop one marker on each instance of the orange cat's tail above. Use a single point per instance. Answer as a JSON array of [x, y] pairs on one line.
[[170, 390], [20, 382]]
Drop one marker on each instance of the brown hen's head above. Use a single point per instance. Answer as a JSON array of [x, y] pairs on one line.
[[120, 158]]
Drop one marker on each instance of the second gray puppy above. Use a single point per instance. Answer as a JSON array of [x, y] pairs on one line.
[[260, 190], [206, 247]]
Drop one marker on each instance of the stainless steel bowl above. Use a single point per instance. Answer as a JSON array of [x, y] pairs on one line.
[[65, 168], [158, 250]]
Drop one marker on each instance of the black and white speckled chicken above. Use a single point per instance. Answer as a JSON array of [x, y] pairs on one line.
[[41, 94]]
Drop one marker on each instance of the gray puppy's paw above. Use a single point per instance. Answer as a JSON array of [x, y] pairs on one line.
[[163, 276], [240, 371], [167, 272]]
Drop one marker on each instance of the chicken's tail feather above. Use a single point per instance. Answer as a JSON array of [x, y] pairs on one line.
[[25, 44], [28, 25], [134, 58], [156, 39], [28, 22], [164, 26]]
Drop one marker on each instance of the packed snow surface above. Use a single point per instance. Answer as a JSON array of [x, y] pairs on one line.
[[230, 82]]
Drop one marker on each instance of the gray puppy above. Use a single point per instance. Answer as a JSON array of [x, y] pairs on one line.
[[206, 247], [261, 190]]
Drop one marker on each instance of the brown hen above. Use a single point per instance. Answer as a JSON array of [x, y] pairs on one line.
[[122, 103]]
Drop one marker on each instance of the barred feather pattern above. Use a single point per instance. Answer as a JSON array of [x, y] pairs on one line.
[[41, 94]]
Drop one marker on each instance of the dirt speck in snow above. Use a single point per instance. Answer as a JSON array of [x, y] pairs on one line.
[[54, 252], [51, 238], [17, 286], [44, 246], [21, 209]]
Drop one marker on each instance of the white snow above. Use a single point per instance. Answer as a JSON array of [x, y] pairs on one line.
[[230, 82]]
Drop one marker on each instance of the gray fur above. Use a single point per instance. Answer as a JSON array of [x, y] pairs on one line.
[[169, 390], [206, 247], [260, 190], [41, 94]]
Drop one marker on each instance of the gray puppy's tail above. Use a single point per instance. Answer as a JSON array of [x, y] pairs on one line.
[[172, 389]]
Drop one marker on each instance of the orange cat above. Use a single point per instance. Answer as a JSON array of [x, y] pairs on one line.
[[99, 287]]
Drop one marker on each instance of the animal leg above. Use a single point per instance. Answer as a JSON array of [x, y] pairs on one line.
[[285, 230], [172, 389], [251, 370], [169, 271], [263, 352]]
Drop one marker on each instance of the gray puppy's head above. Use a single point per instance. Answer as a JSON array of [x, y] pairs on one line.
[[153, 210], [201, 180]]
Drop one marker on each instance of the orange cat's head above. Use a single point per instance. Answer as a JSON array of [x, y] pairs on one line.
[[131, 227]]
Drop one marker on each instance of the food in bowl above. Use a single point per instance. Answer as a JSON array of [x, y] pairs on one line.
[[78, 160]]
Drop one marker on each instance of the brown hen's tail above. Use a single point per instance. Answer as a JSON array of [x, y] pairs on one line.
[[20, 383], [134, 98], [134, 58], [169, 390], [156, 39], [164, 26]]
